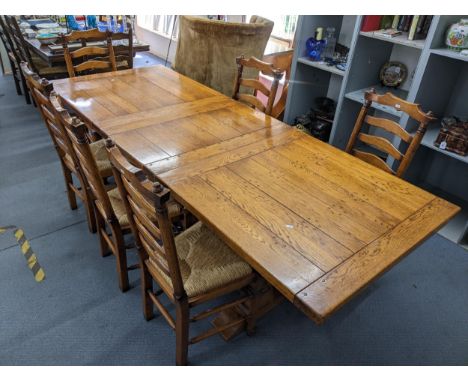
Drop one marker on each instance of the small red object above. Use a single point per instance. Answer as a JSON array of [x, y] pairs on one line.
[[370, 23]]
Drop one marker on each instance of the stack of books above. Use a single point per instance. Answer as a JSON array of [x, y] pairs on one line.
[[416, 27]]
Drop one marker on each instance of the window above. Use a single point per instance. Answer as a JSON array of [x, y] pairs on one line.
[[284, 28], [163, 24]]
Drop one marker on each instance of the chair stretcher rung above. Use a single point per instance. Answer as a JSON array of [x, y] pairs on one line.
[[213, 331], [162, 309]]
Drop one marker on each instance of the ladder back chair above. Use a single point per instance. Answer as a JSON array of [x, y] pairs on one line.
[[111, 217], [191, 268], [123, 51], [253, 84], [41, 90], [281, 61], [12, 58], [382, 144], [92, 58], [36, 63]]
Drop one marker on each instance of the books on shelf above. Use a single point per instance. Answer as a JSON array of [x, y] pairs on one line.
[[387, 32], [370, 23], [386, 22], [422, 34], [415, 27], [414, 24]]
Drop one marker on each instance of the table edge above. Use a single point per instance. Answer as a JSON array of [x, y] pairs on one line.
[[319, 315]]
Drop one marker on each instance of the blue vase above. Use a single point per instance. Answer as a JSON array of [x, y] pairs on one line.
[[314, 48]]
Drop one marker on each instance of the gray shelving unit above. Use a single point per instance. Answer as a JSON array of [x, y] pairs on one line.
[[437, 79]]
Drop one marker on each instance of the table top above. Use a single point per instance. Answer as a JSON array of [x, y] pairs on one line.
[[50, 57], [314, 221]]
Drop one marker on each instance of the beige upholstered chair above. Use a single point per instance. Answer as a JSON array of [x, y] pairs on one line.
[[207, 49]]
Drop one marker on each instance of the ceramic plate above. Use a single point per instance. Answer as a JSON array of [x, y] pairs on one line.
[[54, 30], [393, 74], [47, 25]]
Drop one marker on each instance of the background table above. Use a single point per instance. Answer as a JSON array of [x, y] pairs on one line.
[[57, 58], [315, 222]]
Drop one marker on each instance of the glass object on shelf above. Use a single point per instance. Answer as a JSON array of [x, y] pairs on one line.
[[71, 23], [330, 40], [457, 35], [315, 45], [91, 21]]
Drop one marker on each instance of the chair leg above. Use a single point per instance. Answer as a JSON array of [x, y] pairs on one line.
[[90, 215], [101, 229], [146, 287], [16, 79], [25, 89], [121, 256], [70, 193], [251, 318], [182, 332]]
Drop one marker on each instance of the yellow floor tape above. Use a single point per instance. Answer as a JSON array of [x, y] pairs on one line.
[[28, 253]]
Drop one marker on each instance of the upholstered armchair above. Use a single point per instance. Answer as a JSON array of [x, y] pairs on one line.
[[207, 49]]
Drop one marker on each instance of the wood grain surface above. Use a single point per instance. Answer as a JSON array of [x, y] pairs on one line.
[[317, 223]]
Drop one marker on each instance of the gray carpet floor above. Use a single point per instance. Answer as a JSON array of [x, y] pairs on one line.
[[416, 314]]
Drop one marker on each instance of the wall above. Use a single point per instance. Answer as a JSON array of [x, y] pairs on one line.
[[6, 62], [158, 42]]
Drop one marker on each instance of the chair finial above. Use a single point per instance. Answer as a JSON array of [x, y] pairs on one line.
[[109, 143], [157, 187]]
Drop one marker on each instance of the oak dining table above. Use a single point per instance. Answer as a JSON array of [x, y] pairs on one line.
[[315, 222]]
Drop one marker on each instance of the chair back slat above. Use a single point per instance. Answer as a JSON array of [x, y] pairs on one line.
[[390, 126], [89, 51], [252, 100], [156, 249], [85, 36], [146, 214], [383, 144], [254, 85], [153, 234], [90, 58], [373, 160], [92, 64], [412, 109]]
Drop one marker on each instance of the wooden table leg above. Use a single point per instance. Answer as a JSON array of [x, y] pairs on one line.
[[265, 298]]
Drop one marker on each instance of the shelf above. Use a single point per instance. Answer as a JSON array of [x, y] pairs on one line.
[[358, 96], [456, 229], [321, 65], [449, 53], [428, 141], [400, 39]]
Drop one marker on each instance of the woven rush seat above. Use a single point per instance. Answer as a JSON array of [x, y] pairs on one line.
[[119, 207], [205, 261], [98, 149]]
